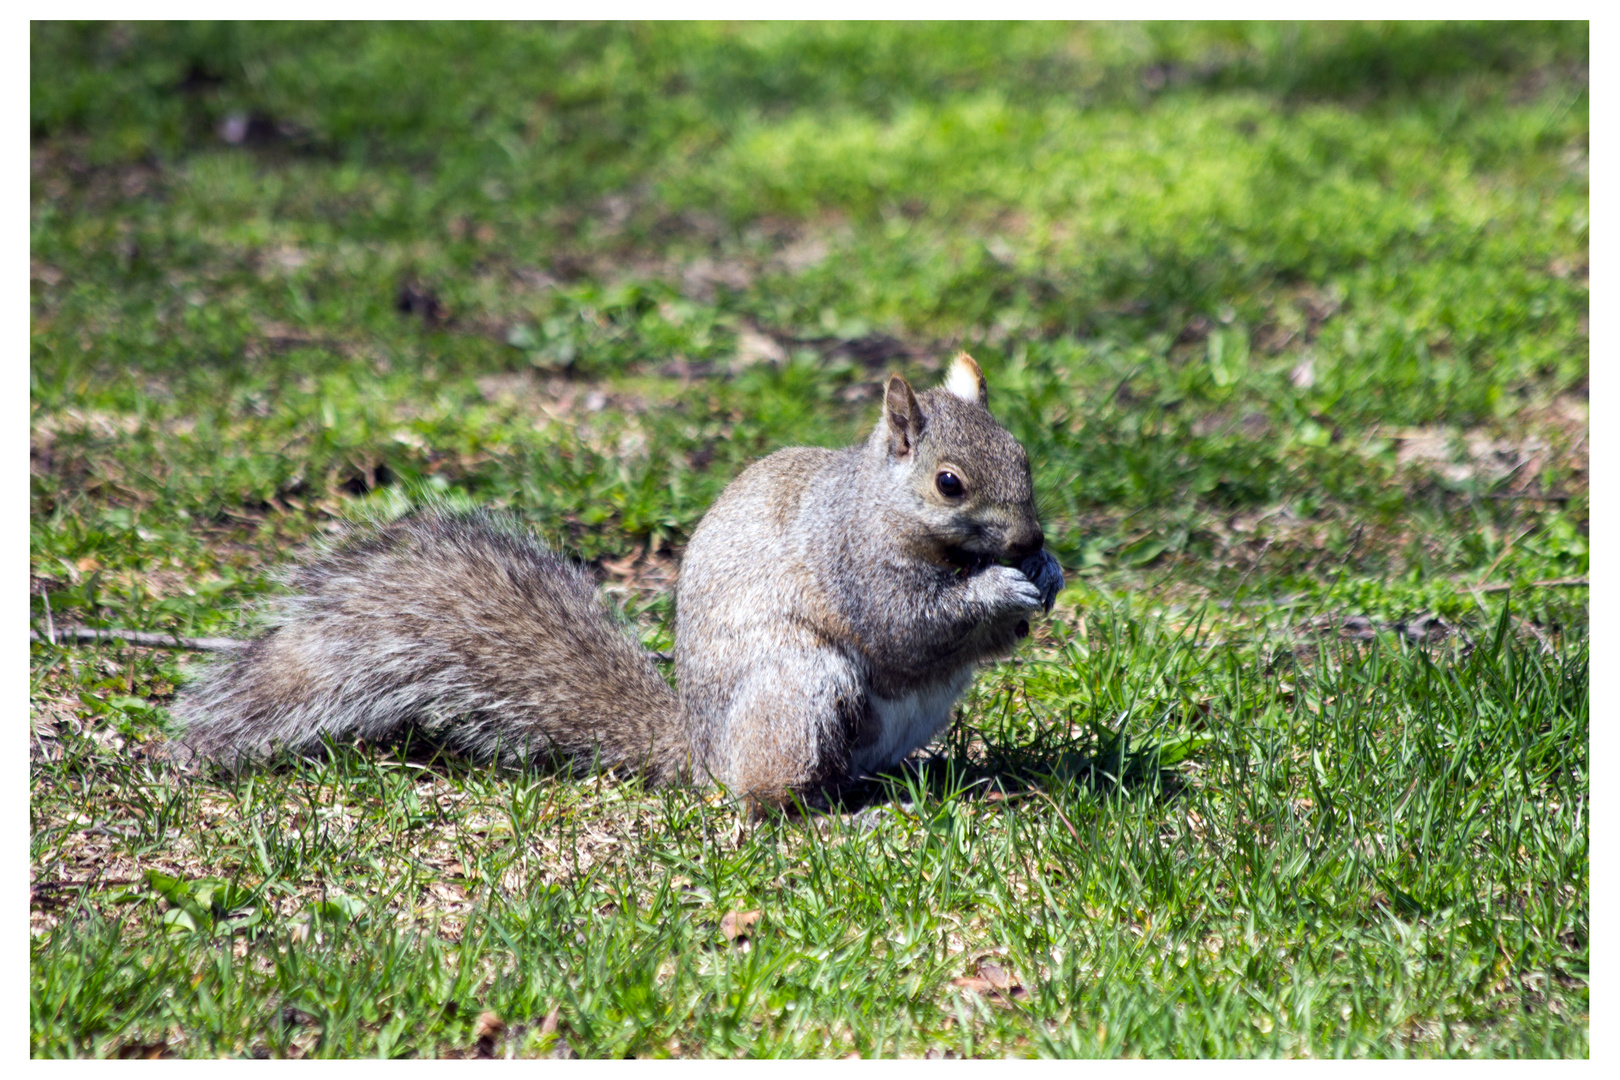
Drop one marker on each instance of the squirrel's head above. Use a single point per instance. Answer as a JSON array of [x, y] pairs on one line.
[[967, 477]]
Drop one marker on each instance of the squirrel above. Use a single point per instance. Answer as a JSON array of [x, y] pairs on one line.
[[831, 607]]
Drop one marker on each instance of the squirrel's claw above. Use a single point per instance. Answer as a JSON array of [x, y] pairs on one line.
[[1047, 575]]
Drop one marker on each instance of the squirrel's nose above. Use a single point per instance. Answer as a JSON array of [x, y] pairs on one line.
[[1022, 545]]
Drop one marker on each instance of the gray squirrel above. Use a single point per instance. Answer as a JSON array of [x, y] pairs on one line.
[[832, 605]]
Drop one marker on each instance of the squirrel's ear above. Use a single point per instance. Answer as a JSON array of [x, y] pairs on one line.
[[905, 418], [966, 381]]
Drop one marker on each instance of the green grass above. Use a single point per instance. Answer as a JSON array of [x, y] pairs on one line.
[[1292, 319]]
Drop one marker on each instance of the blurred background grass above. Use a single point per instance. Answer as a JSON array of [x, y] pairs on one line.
[[1331, 276]]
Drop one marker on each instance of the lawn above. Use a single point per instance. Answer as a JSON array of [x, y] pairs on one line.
[[1292, 319]]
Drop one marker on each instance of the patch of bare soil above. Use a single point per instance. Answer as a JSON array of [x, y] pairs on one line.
[[1555, 434]]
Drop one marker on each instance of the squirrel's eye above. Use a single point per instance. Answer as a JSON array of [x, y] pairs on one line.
[[950, 485]]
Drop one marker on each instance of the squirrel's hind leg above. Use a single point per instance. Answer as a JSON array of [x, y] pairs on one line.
[[790, 729]]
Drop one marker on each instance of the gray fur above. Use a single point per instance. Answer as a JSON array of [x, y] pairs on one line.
[[822, 629], [832, 606], [456, 624]]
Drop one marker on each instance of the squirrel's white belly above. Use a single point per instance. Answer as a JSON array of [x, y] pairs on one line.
[[905, 723]]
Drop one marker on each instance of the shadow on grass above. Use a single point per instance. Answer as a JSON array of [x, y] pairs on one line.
[[1103, 763]]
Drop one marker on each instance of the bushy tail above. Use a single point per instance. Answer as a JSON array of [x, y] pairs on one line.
[[461, 625]]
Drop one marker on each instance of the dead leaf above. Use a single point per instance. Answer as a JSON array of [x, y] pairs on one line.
[[736, 925], [487, 1030], [993, 982], [143, 1051]]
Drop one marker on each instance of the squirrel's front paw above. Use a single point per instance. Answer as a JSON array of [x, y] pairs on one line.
[[1011, 590], [1047, 575]]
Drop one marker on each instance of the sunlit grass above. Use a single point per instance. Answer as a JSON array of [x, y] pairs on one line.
[[1292, 320]]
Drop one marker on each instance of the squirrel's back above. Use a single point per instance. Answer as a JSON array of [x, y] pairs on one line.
[[455, 624]]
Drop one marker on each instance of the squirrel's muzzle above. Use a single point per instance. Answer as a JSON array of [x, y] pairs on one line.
[[1024, 544]]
